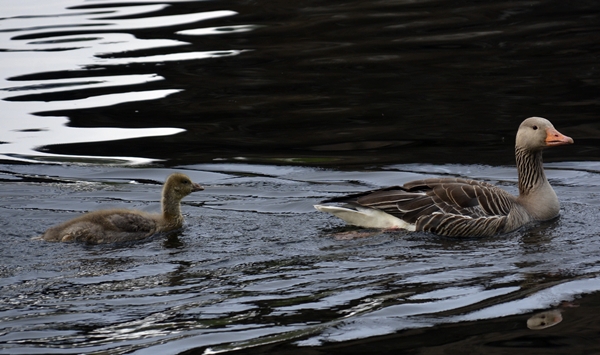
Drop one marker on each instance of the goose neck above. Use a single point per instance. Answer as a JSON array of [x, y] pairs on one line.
[[530, 168]]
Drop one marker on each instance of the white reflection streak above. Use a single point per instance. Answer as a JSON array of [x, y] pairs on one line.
[[161, 21], [217, 30], [43, 131], [58, 85], [23, 132], [69, 22], [172, 57]]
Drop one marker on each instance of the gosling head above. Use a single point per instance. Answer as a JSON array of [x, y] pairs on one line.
[[180, 185]]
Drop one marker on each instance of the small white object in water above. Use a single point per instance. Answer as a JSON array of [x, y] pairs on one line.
[[544, 320]]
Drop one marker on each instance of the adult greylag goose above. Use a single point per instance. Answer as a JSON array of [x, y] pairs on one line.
[[461, 207], [119, 225]]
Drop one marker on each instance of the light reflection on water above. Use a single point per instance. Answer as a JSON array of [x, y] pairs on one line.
[[34, 131], [37, 42], [257, 265], [367, 81]]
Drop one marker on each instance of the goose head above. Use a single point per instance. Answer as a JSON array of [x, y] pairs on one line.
[[537, 133]]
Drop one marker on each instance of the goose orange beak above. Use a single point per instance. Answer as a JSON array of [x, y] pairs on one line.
[[554, 138]]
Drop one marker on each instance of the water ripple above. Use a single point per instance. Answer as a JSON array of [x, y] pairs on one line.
[[95, 36], [236, 279]]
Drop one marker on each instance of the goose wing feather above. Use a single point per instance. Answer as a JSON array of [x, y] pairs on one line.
[[453, 225]]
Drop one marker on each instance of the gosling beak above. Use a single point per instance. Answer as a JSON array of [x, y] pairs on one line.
[[554, 138], [197, 187]]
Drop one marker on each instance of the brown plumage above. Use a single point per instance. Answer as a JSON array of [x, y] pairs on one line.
[[462, 207], [119, 225]]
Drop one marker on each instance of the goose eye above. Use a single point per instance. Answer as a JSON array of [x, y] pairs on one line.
[[535, 128]]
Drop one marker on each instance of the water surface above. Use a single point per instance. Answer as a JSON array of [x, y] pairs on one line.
[[257, 265], [274, 106]]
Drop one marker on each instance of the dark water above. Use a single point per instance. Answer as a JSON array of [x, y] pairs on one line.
[[274, 106], [311, 83]]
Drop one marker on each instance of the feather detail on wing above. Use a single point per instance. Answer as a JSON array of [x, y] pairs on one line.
[[446, 206]]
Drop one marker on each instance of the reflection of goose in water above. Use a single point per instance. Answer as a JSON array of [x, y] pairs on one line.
[[461, 207], [118, 225], [545, 319]]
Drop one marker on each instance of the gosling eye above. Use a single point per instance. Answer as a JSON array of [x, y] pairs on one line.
[[535, 128]]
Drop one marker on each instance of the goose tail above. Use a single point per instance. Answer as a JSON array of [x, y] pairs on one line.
[[366, 217]]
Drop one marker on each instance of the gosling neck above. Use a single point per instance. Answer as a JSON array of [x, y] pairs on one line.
[[171, 208]]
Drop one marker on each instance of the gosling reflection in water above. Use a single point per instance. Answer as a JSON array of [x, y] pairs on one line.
[[121, 225]]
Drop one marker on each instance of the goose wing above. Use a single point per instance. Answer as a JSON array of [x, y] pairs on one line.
[[446, 206]]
